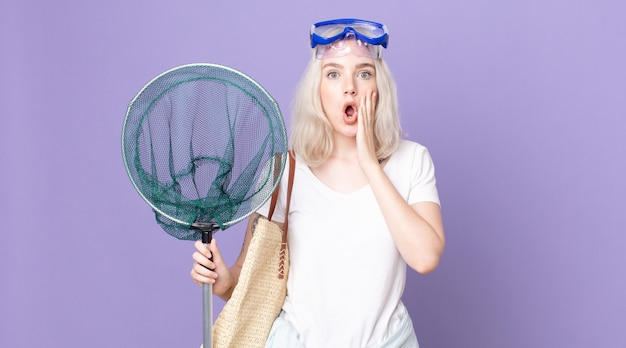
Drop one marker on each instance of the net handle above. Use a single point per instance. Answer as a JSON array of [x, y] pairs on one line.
[[207, 314], [207, 229]]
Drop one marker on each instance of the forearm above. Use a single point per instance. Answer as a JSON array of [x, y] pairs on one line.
[[417, 231], [235, 270]]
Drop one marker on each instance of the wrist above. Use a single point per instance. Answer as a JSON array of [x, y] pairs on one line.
[[373, 171]]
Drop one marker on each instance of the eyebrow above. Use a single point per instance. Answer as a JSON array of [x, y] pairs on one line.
[[358, 66]]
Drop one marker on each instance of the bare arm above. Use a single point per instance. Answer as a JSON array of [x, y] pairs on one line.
[[417, 229]]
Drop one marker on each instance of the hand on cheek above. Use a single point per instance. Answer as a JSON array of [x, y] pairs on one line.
[[365, 135]]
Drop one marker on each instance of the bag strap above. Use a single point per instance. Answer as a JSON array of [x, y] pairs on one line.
[[275, 194], [283, 244], [292, 168], [292, 171]]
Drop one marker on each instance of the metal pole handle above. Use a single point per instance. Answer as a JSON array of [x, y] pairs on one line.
[[207, 229]]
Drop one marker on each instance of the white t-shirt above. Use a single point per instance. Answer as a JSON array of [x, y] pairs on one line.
[[346, 275]]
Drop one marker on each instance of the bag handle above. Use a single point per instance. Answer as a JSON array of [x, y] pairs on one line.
[[292, 170], [283, 244]]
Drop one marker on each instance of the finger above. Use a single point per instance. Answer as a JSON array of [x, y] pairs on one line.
[[201, 259], [360, 114], [213, 254], [370, 105], [361, 122], [203, 255], [367, 113], [200, 277], [368, 101], [367, 107], [203, 249], [214, 250]]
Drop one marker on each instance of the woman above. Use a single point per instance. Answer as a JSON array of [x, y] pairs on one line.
[[364, 203]]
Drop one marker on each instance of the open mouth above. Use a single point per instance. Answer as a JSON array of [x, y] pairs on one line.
[[350, 111]]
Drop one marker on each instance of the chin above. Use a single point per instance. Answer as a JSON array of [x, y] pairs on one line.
[[349, 132]]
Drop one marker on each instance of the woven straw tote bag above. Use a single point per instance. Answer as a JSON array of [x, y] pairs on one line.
[[247, 317]]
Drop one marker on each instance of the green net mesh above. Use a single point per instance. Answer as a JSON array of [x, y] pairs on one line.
[[203, 143]]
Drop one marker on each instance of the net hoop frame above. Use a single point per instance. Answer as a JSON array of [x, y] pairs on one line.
[[264, 93]]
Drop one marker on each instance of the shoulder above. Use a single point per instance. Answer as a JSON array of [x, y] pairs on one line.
[[408, 149], [300, 171], [411, 158]]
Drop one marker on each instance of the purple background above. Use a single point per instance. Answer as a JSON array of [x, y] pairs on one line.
[[522, 104]]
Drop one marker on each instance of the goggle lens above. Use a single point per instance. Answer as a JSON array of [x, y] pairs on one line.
[[342, 47], [324, 33]]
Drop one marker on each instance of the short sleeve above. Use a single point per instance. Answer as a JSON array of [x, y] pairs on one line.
[[423, 185]]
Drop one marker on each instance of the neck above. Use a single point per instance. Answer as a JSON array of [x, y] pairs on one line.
[[344, 148]]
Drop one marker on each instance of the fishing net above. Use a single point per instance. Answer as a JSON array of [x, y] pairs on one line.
[[202, 144], [205, 146]]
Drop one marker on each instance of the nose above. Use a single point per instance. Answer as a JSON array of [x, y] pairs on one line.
[[349, 90], [349, 85]]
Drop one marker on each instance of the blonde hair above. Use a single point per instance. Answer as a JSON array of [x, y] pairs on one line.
[[311, 132]]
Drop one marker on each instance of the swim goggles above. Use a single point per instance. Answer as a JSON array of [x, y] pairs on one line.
[[370, 35]]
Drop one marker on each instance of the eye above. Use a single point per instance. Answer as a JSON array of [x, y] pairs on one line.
[[365, 74], [333, 75]]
